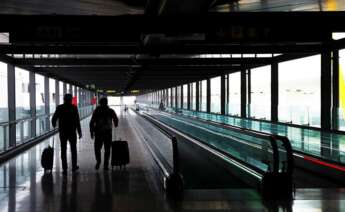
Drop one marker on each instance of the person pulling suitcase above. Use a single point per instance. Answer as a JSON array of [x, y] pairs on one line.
[[101, 126]]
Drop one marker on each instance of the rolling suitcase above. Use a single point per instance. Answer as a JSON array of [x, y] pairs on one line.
[[119, 153], [47, 158]]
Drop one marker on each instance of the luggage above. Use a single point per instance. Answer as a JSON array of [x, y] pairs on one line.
[[47, 158], [119, 153]]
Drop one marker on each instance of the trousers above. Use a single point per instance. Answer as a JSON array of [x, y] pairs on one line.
[[101, 139], [72, 139]]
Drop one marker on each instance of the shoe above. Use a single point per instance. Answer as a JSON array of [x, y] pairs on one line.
[[97, 166], [75, 168]]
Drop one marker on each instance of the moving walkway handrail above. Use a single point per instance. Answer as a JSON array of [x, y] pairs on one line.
[[176, 166], [249, 168], [272, 138], [286, 142]]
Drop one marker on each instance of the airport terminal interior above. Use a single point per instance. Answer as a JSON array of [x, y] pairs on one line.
[[226, 105]]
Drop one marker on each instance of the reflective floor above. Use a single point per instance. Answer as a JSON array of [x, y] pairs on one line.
[[25, 187]]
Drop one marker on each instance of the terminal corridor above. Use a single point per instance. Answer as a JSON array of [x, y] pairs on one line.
[[25, 186]]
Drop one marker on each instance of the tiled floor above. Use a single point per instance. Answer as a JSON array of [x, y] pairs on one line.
[[25, 187]]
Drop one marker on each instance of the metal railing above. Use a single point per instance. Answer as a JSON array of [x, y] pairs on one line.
[[23, 128]]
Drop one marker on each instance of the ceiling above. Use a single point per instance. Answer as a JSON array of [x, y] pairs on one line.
[[142, 47], [132, 7]]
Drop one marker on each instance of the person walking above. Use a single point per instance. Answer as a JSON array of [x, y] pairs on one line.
[[101, 126], [69, 123]]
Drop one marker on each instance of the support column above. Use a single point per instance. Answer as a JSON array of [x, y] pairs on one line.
[[197, 96], [274, 92], [208, 95], [326, 90], [64, 90], [243, 93], [11, 77], [47, 102], [248, 93], [171, 97], [181, 96], [188, 95], [57, 93], [32, 91], [335, 105], [326, 100], [176, 97], [222, 94]]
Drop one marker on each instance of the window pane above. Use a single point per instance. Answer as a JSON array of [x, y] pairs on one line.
[[260, 106], [215, 95], [203, 96], [22, 94], [178, 97], [173, 97], [3, 93], [299, 91], [193, 96], [185, 96], [40, 101], [234, 105], [60, 92], [169, 97], [52, 95], [3, 107], [341, 113]]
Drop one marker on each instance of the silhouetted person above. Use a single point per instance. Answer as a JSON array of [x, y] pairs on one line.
[[161, 106], [101, 126], [69, 124]]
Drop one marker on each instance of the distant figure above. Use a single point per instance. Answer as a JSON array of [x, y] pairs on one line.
[[101, 125], [69, 124], [161, 106]]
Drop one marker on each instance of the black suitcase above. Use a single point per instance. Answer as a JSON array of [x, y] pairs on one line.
[[47, 158], [119, 153]]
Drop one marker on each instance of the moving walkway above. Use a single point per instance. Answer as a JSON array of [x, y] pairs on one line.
[[260, 160], [313, 150]]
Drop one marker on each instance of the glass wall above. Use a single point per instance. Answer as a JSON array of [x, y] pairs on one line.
[[40, 105], [23, 128], [193, 96], [215, 95], [52, 96], [341, 111], [40, 101], [185, 96], [299, 91], [203, 95], [173, 97], [234, 105], [3, 93], [179, 103], [60, 92], [169, 97], [22, 94], [3, 107], [260, 106]]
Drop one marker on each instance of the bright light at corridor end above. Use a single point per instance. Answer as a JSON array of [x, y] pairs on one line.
[[338, 35]]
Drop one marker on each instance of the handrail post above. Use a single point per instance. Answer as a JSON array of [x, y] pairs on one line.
[[176, 164], [174, 183]]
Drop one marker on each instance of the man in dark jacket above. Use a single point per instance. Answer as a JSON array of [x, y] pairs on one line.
[[69, 124], [101, 126]]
